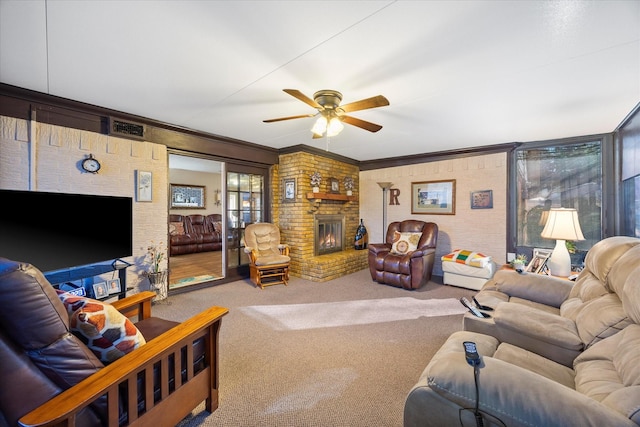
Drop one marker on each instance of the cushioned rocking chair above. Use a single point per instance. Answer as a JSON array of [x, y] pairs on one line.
[[269, 259]]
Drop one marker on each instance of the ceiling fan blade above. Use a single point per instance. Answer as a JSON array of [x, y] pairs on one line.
[[371, 127], [288, 118], [376, 101], [304, 98]]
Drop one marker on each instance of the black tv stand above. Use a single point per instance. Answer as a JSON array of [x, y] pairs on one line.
[[73, 274]]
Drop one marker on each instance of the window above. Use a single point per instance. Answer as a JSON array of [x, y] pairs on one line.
[[554, 176]]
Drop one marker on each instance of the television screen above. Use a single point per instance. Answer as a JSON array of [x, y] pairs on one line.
[[55, 231]]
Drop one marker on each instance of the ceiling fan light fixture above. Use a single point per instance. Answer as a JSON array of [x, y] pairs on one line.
[[335, 127], [320, 126], [331, 114]]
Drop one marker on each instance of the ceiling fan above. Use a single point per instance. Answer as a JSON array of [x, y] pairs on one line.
[[332, 114]]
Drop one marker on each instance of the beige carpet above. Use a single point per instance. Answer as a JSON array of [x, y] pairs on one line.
[[348, 373]]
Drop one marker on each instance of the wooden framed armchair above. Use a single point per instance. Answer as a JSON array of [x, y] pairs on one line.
[[406, 258], [268, 258], [51, 377]]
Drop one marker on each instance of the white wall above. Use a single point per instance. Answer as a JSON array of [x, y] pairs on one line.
[[482, 230], [50, 161]]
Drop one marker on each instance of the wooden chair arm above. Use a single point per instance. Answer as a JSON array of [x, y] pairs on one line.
[[253, 255], [284, 249], [62, 409], [135, 305]]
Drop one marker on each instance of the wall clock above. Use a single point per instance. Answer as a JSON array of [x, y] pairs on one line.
[[91, 164]]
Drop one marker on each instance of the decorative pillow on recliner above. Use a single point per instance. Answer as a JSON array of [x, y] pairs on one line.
[[176, 228], [106, 331], [403, 243], [474, 259]]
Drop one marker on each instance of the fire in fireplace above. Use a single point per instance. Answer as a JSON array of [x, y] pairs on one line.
[[329, 234]]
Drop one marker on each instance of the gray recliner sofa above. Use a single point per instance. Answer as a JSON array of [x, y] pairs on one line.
[[554, 353]]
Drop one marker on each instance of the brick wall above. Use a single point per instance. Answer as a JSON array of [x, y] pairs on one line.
[[295, 218], [49, 160]]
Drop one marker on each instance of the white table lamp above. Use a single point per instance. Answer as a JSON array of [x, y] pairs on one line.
[[562, 225]]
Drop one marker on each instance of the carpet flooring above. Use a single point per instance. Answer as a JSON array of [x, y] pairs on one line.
[[340, 353]]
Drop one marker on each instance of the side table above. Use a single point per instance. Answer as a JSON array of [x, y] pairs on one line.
[[508, 267]]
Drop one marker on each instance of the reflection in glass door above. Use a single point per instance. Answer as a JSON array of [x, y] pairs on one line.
[[244, 206], [195, 240]]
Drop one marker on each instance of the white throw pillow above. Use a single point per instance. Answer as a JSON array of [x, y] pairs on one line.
[[403, 243]]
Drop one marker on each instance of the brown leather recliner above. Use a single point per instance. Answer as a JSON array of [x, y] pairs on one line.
[[401, 266]]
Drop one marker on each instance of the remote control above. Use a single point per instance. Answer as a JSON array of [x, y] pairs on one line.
[[471, 353], [480, 306], [471, 308]]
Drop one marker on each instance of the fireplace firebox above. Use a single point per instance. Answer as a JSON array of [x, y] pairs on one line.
[[329, 234]]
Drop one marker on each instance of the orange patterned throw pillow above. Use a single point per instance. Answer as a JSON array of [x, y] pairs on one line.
[[106, 331], [403, 243]]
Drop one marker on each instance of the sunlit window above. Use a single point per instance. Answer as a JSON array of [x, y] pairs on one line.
[[567, 176]]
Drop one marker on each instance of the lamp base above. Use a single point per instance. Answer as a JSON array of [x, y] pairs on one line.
[[560, 261]]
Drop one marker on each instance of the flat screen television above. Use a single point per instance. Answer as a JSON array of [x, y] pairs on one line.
[[56, 231]]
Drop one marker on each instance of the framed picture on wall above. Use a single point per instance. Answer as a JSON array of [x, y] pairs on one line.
[[482, 199], [289, 189], [334, 186], [144, 189], [185, 196], [433, 197]]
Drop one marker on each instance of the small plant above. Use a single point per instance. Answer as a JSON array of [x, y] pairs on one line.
[[519, 259], [316, 179], [348, 183], [155, 255], [571, 246]]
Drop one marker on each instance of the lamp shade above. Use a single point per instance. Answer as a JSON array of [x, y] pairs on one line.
[[562, 224]]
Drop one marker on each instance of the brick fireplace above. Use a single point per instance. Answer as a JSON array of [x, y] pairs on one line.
[[328, 234], [297, 218]]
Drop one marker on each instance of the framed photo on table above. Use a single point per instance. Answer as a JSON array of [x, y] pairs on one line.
[[113, 286], [433, 197], [538, 264], [100, 290]]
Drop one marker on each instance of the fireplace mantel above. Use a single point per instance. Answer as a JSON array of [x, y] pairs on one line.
[[330, 196]]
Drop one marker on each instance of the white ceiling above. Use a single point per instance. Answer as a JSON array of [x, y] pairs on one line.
[[458, 74]]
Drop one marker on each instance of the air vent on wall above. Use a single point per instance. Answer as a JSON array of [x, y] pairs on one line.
[[126, 129]]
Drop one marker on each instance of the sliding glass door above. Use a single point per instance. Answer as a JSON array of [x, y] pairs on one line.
[[245, 205]]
